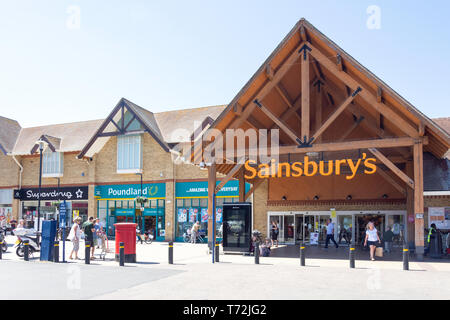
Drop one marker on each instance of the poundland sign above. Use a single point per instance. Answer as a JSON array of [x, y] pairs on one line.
[[130, 191]]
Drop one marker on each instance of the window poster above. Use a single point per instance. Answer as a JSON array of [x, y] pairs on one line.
[[182, 215], [204, 215], [219, 215], [193, 215], [440, 216]]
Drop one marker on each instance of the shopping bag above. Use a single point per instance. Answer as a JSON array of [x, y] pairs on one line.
[[379, 252]]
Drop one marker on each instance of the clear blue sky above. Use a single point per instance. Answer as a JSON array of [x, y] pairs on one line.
[[166, 55]]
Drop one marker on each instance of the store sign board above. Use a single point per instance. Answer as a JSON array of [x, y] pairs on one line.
[[199, 189], [124, 212], [130, 191], [153, 211], [440, 216], [62, 193], [310, 168]]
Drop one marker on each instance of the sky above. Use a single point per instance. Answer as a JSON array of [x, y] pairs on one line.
[[72, 60]]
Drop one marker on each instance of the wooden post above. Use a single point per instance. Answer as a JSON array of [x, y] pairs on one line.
[[211, 191], [409, 203], [305, 96], [318, 111], [242, 185], [418, 199]]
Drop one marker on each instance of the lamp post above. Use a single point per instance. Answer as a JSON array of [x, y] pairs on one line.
[[42, 144], [142, 204]]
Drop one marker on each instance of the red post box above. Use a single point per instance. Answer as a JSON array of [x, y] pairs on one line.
[[126, 233]]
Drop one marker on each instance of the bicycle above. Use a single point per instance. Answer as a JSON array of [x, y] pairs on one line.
[[148, 238], [187, 237]]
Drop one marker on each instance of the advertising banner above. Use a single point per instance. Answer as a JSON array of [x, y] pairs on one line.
[[182, 215], [219, 215], [204, 215], [193, 215], [440, 216]]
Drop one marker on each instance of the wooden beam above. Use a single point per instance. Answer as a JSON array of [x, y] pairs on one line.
[[278, 122], [343, 146], [379, 95], [319, 99], [211, 189], [237, 109], [229, 176], [339, 62], [409, 182], [365, 94], [392, 181], [418, 199], [283, 94], [305, 121], [242, 185], [335, 114], [350, 129]]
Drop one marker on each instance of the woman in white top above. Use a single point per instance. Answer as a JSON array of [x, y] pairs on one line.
[[74, 236], [371, 239]]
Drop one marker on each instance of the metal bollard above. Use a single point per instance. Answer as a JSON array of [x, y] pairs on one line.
[[405, 257], [26, 250], [56, 252], [87, 252], [171, 252], [352, 256], [216, 254], [1, 249], [121, 254], [257, 252], [302, 255]]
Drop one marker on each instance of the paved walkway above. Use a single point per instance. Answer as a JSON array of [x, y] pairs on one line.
[[193, 276]]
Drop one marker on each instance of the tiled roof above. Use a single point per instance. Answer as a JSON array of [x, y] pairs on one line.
[[71, 136], [9, 130], [444, 123]]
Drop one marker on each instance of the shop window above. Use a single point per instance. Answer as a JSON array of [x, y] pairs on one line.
[[154, 203], [179, 202], [129, 154], [195, 202], [204, 202], [102, 203], [52, 163], [161, 203]]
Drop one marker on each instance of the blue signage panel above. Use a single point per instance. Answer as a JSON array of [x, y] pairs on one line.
[[62, 214], [130, 191], [199, 189]]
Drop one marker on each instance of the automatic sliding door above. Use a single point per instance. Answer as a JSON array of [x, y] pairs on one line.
[[289, 228]]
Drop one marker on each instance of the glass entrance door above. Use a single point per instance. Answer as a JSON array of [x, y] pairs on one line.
[[344, 229], [288, 230], [299, 228]]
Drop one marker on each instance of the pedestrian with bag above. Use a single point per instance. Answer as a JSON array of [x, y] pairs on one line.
[[330, 234], [74, 237], [88, 229], [371, 239], [274, 233]]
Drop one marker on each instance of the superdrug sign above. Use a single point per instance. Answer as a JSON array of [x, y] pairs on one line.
[[64, 193]]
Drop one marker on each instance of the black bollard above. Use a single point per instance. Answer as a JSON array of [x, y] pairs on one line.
[[216, 255], [1, 249], [302, 255], [405, 257], [171, 252], [121, 254], [26, 250], [87, 252], [257, 252], [56, 252], [352, 256]]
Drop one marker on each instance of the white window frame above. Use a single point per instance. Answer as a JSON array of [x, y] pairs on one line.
[[119, 146], [58, 159]]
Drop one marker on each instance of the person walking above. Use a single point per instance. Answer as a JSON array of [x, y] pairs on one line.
[[431, 235], [388, 238], [97, 228], [274, 233], [74, 237], [330, 234], [194, 231], [88, 229], [371, 239]]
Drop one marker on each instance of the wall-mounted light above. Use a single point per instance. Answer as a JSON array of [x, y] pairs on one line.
[[385, 196], [283, 198], [316, 197], [349, 197]]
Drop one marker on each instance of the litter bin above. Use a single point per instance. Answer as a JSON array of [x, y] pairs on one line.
[[126, 233], [48, 240]]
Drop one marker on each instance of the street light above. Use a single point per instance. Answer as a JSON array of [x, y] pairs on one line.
[[42, 145]]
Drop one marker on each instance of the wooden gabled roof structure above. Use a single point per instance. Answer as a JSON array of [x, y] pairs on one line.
[[320, 96]]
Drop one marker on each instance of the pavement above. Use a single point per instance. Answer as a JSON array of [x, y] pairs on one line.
[[194, 276]]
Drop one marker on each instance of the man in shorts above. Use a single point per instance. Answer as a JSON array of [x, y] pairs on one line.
[[88, 229]]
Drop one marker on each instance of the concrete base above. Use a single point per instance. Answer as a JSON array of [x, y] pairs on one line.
[[130, 258]]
